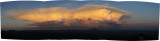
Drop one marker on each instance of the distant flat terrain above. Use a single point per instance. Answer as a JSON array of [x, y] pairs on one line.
[[81, 34]]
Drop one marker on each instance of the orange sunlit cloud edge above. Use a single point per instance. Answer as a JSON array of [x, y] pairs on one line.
[[86, 16]]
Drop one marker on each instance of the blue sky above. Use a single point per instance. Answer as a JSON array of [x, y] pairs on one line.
[[141, 11]]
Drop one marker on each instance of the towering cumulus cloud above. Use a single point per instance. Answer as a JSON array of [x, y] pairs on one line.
[[85, 16]]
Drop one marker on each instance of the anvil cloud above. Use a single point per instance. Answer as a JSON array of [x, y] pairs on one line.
[[85, 16]]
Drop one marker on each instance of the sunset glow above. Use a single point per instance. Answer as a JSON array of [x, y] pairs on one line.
[[88, 16]]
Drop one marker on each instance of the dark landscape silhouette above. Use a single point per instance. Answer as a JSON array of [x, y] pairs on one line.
[[92, 34]]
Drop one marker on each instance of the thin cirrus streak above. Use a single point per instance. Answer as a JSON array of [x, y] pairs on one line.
[[85, 16]]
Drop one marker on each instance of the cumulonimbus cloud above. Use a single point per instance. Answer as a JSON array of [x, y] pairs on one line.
[[85, 16]]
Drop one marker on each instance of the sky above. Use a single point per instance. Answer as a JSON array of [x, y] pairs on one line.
[[141, 12]]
